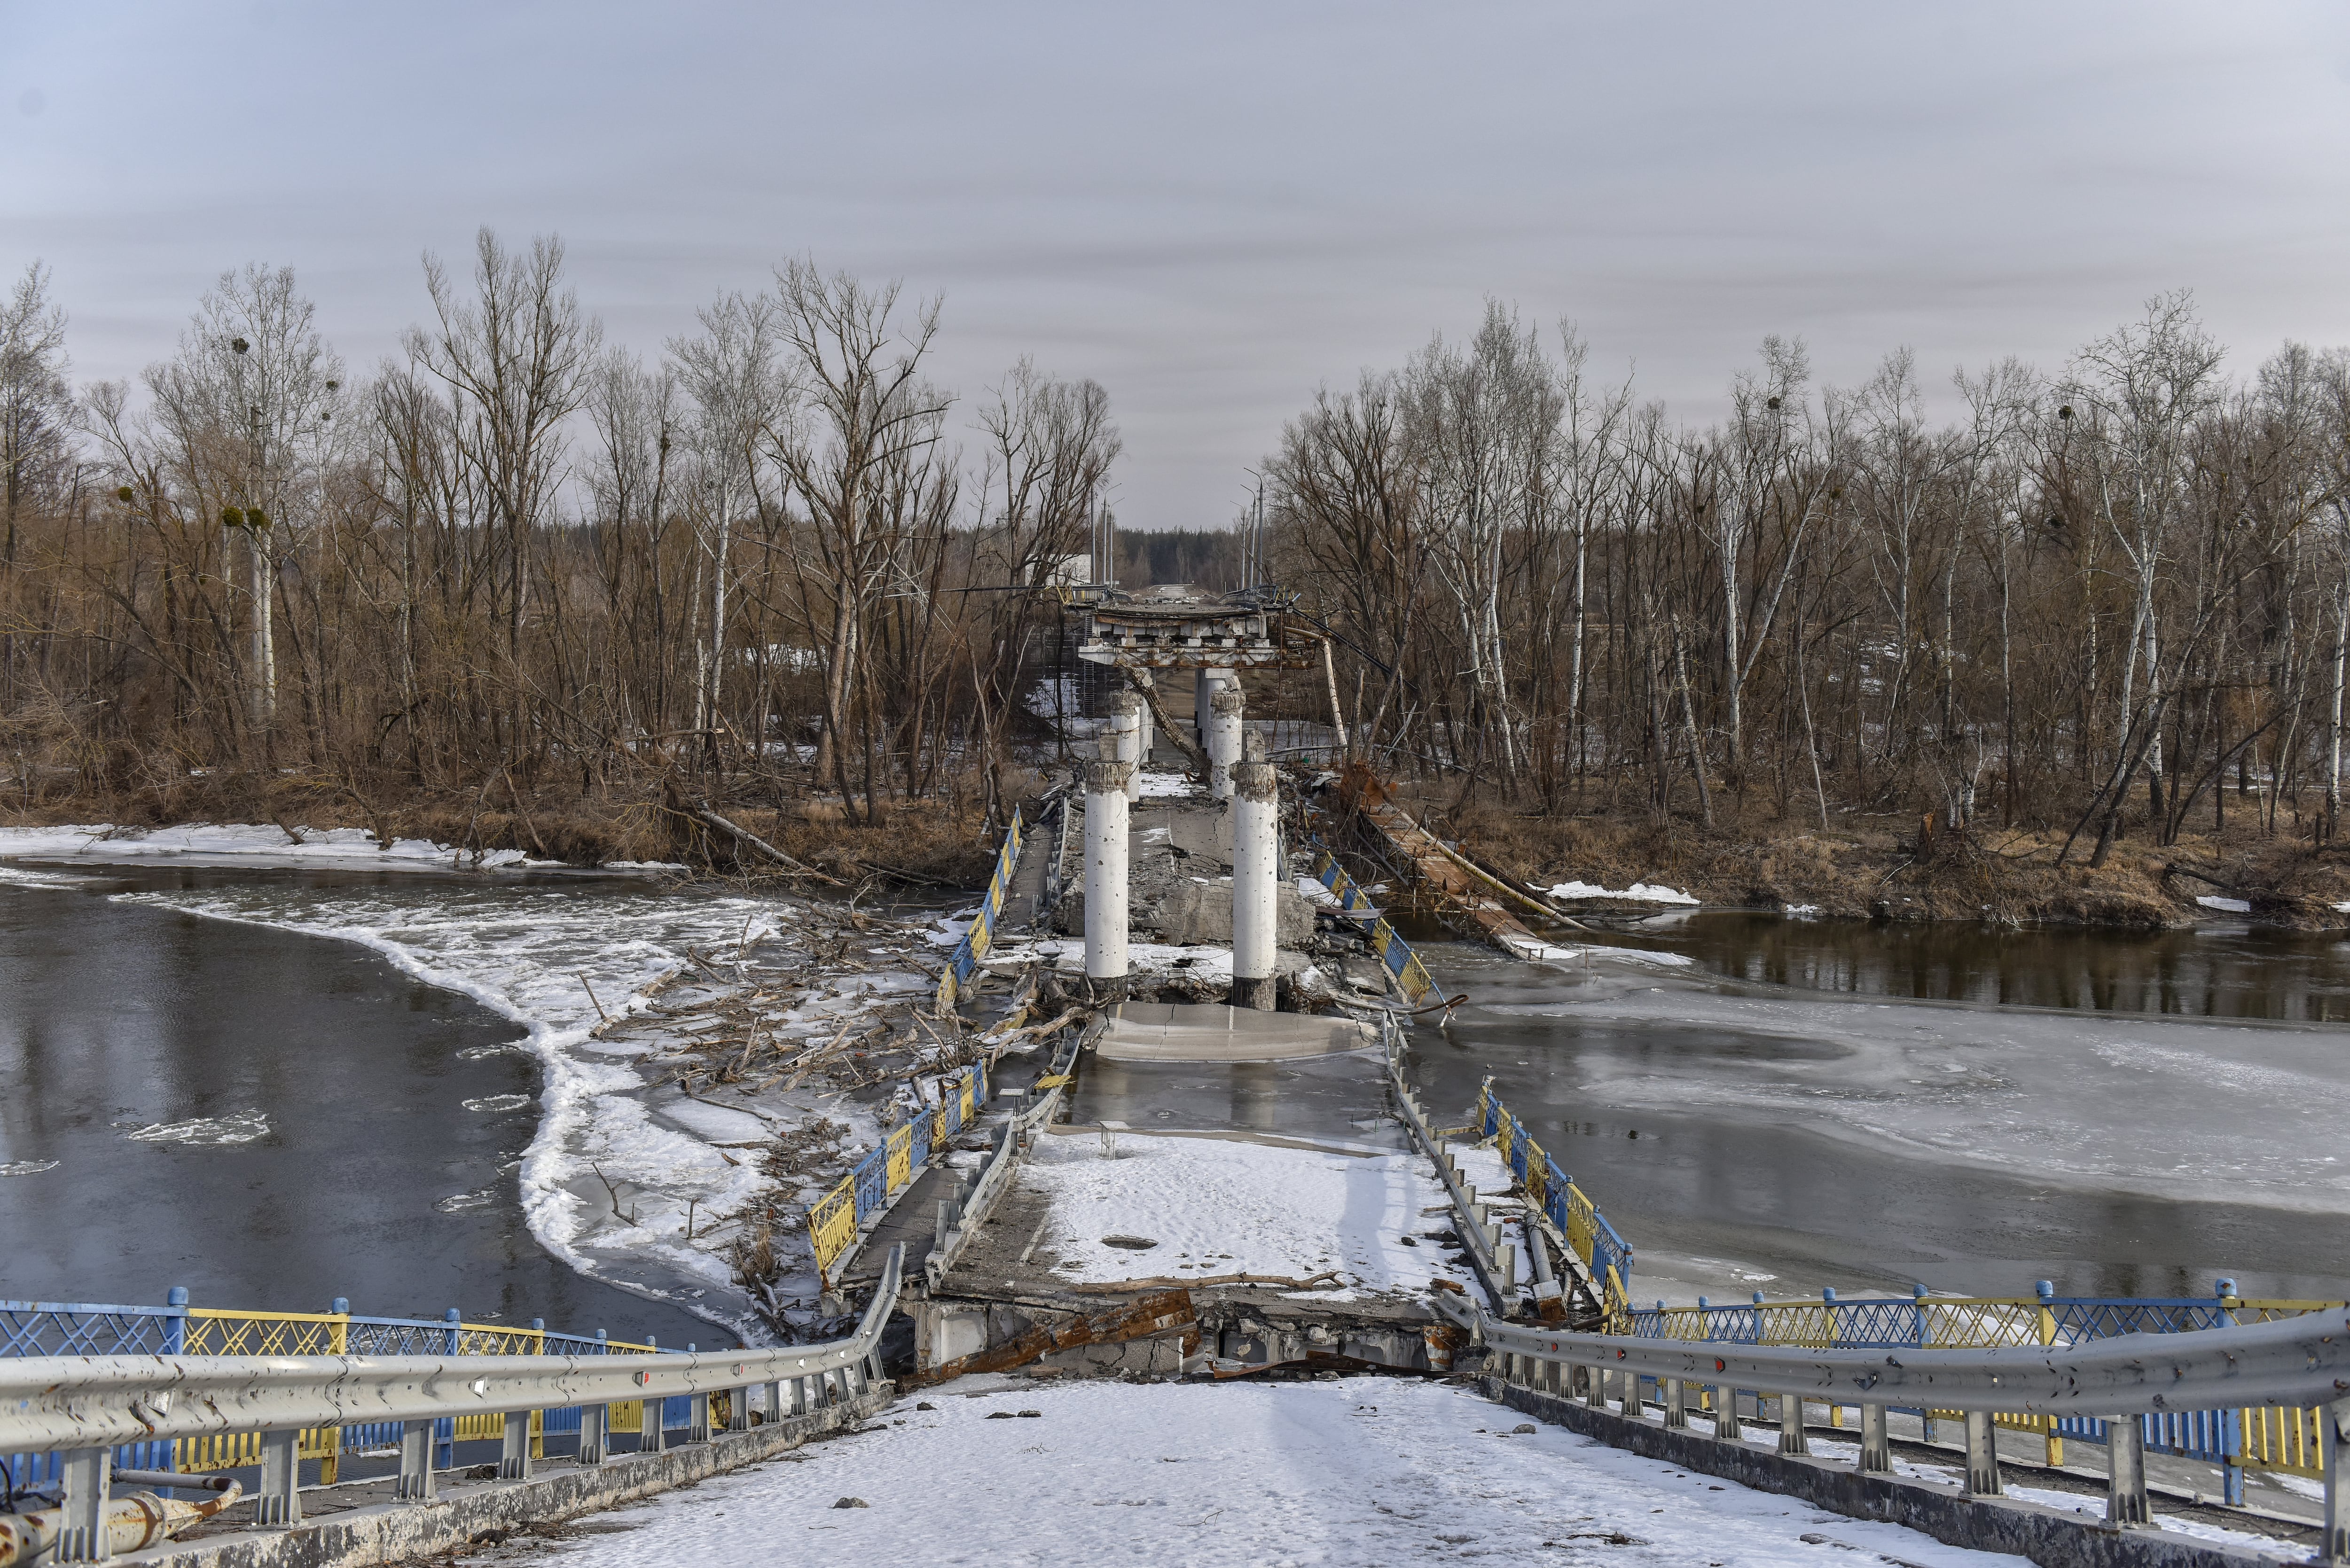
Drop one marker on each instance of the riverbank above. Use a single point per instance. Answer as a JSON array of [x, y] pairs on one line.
[[939, 841], [1886, 868]]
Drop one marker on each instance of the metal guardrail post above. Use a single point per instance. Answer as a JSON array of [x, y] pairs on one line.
[[82, 1529], [279, 1500], [2334, 1437], [2126, 1500], [1982, 1455], [595, 1420], [416, 1461], [1725, 1413], [513, 1458], [1876, 1448], [1792, 1440], [1668, 1394]]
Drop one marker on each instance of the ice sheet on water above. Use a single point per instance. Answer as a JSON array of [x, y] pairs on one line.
[[200, 1132], [27, 1167], [2176, 1107]]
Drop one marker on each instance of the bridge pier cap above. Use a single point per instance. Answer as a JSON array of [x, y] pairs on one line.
[[1226, 712], [1122, 740]]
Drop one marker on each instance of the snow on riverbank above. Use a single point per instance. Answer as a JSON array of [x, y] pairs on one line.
[[1638, 893], [1367, 1472], [1225, 1205], [586, 968], [238, 844]]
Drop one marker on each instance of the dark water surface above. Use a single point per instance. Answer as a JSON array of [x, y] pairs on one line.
[[2220, 970], [374, 1179], [1770, 1186]]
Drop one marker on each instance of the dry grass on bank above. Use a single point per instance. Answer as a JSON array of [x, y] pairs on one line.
[[939, 840], [1877, 868]]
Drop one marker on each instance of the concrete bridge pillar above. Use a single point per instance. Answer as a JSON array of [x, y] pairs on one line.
[[1122, 740], [1205, 684], [1256, 862], [1226, 712], [1106, 877]]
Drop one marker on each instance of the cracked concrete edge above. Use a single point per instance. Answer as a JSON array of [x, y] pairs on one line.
[[398, 1531], [2047, 1536]]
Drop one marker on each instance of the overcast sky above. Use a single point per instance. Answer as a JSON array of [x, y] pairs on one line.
[[1214, 208]]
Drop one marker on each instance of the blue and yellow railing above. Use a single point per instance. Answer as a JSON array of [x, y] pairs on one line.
[[176, 1328], [1410, 974], [981, 935], [2250, 1438], [2253, 1439], [1604, 1252], [839, 1217]]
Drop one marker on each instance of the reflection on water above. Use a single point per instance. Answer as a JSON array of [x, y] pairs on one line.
[[2217, 972], [271, 1120]]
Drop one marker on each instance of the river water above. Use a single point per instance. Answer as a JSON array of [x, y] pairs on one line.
[[1793, 1105], [270, 1119], [201, 1089]]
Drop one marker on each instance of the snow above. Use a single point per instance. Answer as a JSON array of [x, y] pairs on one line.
[[267, 846], [1166, 786], [220, 844], [1067, 956], [2226, 906], [1220, 1206], [531, 954], [1639, 892], [1364, 1472]]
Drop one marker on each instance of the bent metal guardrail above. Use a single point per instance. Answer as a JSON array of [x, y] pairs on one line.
[[84, 1407], [2289, 1363]]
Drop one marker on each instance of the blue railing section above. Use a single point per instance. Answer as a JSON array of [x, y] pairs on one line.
[[981, 934]]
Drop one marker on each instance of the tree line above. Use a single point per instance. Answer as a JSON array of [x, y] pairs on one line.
[[513, 557], [2114, 594]]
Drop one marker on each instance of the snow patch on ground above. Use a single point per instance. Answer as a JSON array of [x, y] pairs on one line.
[[2225, 906], [1215, 1206], [267, 846], [244, 844], [1639, 892], [1363, 1472], [1166, 786]]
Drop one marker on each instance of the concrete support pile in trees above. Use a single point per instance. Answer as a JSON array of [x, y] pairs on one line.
[[1256, 860], [1225, 711], [1106, 879]]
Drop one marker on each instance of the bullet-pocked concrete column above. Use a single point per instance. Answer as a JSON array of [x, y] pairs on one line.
[[1256, 859], [1225, 711], [1205, 686], [1106, 883], [1122, 740]]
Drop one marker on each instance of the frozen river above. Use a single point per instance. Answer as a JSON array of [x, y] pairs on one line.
[[196, 1097], [202, 1091], [1833, 1117]]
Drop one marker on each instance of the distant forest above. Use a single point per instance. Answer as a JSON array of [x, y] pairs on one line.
[[774, 558]]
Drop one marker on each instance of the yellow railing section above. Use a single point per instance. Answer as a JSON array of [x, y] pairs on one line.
[[214, 1331], [1567, 1205], [865, 1191]]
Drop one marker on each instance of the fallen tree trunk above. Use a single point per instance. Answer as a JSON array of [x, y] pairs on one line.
[[699, 811]]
